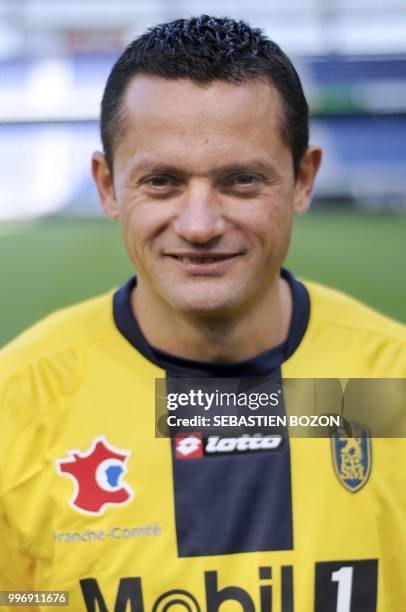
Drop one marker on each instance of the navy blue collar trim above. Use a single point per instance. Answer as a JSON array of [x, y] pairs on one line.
[[261, 365]]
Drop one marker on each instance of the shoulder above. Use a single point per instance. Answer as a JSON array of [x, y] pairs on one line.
[[338, 309], [42, 371], [348, 337], [60, 337]]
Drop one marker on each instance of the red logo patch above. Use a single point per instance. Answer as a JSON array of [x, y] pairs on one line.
[[189, 445], [97, 475]]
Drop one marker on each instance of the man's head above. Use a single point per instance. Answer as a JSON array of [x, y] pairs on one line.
[[203, 50], [209, 169]]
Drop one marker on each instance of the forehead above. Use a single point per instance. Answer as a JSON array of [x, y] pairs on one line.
[[174, 116]]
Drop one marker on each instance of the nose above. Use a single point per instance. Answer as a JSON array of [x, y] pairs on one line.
[[200, 219]]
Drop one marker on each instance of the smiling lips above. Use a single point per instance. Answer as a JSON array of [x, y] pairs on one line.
[[203, 261]]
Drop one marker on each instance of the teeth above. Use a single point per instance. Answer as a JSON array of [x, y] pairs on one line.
[[200, 260]]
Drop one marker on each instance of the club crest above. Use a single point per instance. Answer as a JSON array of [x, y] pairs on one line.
[[352, 458]]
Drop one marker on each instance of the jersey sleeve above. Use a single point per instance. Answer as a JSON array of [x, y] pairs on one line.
[[16, 566]]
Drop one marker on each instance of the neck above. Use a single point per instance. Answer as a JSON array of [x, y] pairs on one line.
[[258, 328]]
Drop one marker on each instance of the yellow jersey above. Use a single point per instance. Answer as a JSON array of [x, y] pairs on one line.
[[93, 503]]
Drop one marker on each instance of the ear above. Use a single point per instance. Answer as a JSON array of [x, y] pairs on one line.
[[104, 183], [307, 171]]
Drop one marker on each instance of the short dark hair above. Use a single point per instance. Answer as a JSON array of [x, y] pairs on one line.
[[204, 49]]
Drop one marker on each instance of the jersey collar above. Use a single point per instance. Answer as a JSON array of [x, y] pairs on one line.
[[261, 365]]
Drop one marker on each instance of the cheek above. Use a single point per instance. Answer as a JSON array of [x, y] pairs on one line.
[[142, 223], [133, 227], [268, 223]]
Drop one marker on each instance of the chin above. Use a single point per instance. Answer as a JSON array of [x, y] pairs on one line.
[[206, 297], [204, 305]]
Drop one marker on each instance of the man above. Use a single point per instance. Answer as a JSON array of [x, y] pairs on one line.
[[206, 160]]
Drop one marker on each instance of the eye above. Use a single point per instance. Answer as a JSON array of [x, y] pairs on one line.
[[242, 180], [160, 181], [245, 179]]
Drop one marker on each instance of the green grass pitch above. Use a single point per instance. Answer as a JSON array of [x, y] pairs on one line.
[[55, 262]]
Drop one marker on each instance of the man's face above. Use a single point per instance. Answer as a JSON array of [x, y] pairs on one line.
[[204, 190]]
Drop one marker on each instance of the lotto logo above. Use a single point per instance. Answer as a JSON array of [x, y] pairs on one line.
[[189, 446], [192, 445], [243, 444]]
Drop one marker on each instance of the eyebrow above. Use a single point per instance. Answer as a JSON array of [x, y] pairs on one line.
[[252, 165]]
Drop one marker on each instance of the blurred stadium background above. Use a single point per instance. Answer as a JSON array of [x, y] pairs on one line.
[[55, 56]]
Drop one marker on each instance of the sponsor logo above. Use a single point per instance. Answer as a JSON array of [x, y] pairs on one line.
[[98, 476], [243, 444], [130, 594], [189, 446], [339, 585], [352, 458], [192, 445]]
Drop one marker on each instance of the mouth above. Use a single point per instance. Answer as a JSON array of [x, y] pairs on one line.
[[204, 263]]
